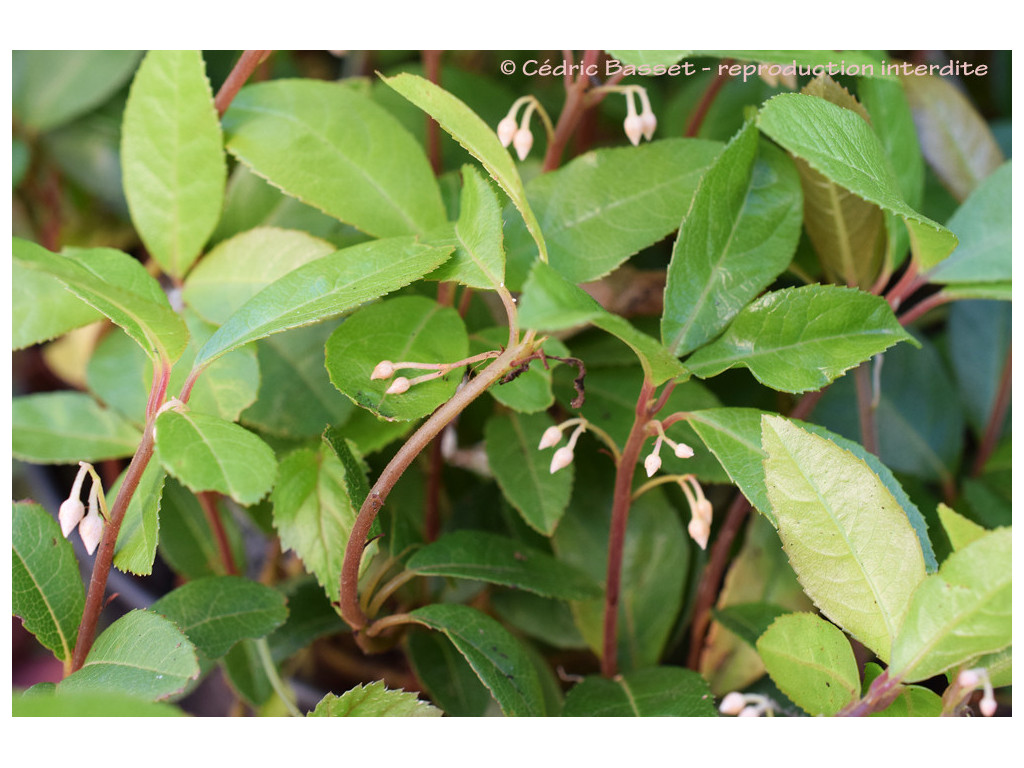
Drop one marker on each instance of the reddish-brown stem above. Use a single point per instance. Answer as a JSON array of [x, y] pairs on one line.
[[806, 405], [351, 611], [432, 503], [105, 553], [711, 578], [571, 114], [865, 407], [925, 305], [432, 69], [161, 376], [881, 693], [621, 499], [241, 72], [208, 501], [906, 285], [706, 100], [994, 426]]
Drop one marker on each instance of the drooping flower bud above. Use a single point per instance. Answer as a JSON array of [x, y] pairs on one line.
[[507, 130], [91, 527], [71, 509], [732, 703], [751, 711], [703, 510], [385, 369], [652, 464], [398, 386], [987, 705], [552, 436], [562, 459], [648, 122], [969, 678], [523, 141], [634, 130], [683, 451], [699, 531]]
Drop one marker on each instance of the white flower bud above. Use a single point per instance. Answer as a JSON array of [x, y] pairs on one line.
[[699, 531], [969, 678], [683, 451], [648, 122], [634, 129], [91, 527], [987, 705], [703, 511], [398, 386], [552, 436], [71, 513], [561, 459], [507, 130], [385, 370], [652, 464], [750, 712], [522, 141], [733, 703]]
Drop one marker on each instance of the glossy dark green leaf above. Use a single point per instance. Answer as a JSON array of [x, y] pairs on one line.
[[322, 289], [52, 88], [748, 621], [141, 654], [955, 139], [135, 550], [800, 339], [209, 454], [448, 677], [550, 303], [172, 157], [496, 656], [68, 427], [542, 618], [118, 286], [476, 136], [738, 235], [811, 661], [523, 471], [655, 692], [403, 329], [310, 616], [842, 147], [374, 700], [960, 612], [46, 587], [608, 204], [849, 542], [218, 611], [333, 148], [187, 542], [495, 559]]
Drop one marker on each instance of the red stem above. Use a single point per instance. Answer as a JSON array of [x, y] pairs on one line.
[[923, 306], [432, 503], [995, 420], [242, 71], [707, 99], [208, 501], [571, 114], [432, 69], [865, 410]]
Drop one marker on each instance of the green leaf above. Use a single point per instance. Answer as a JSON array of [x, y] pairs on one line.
[[841, 146], [811, 661], [800, 339], [218, 611], [550, 303], [451, 682], [748, 621], [609, 204], [648, 58], [656, 692], [118, 286], [960, 612], [333, 148], [187, 543], [172, 158], [978, 368], [244, 670], [849, 542], [116, 375], [955, 140], [404, 329], [374, 700], [960, 530], [239, 268], [52, 88], [89, 704], [496, 656], [313, 512], [996, 291], [523, 471], [141, 654], [983, 225], [135, 550], [324, 288], [865, 60], [738, 236], [542, 618], [476, 136], [68, 427], [999, 666], [43, 309], [310, 616], [209, 454], [479, 259], [355, 468], [46, 588], [499, 560]]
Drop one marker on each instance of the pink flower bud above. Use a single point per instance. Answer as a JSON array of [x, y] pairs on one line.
[[683, 451], [699, 531], [91, 530], [634, 129], [750, 712], [71, 513], [703, 511], [522, 141], [507, 130], [552, 436], [385, 370], [398, 386], [648, 122], [561, 459], [652, 464], [987, 705], [968, 679], [733, 703]]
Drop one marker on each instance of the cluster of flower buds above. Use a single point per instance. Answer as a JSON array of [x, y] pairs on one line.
[[385, 369], [553, 436], [518, 134], [642, 125], [970, 679], [746, 705], [653, 461], [73, 514]]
